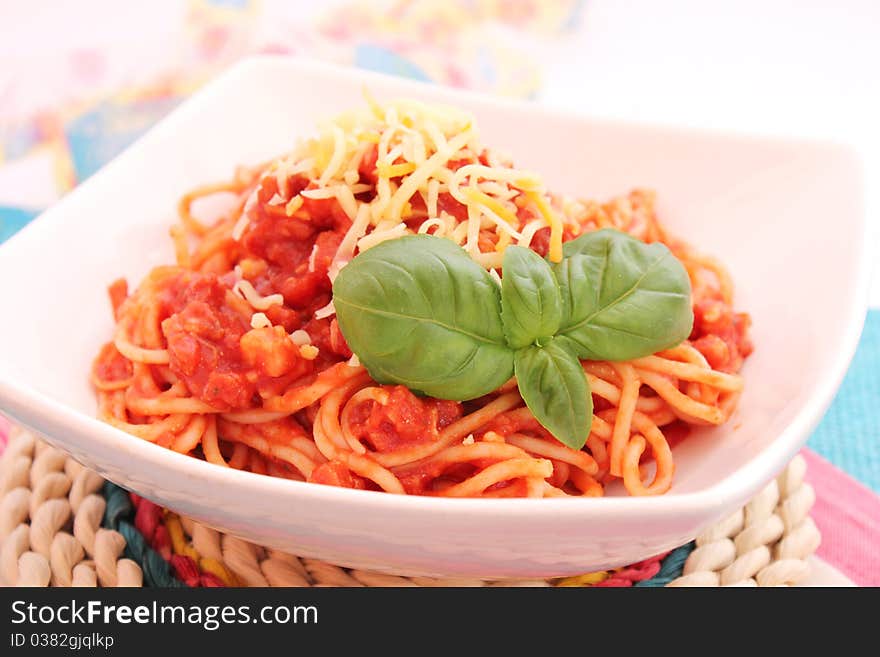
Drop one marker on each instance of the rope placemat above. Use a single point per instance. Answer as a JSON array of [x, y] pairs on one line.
[[63, 525]]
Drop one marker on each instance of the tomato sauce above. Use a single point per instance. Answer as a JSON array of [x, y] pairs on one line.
[[228, 364], [213, 349], [506, 424], [110, 366], [403, 421], [721, 335], [336, 473], [215, 352]]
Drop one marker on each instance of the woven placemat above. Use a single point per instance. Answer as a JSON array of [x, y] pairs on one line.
[[63, 525]]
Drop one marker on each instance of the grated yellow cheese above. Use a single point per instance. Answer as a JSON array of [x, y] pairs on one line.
[[555, 223], [423, 156], [381, 233], [293, 205], [504, 239], [300, 337], [345, 252], [494, 210], [420, 176], [246, 291], [259, 320], [395, 170], [308, 351]]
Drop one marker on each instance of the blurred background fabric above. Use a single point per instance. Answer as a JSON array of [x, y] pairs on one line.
[[79, 81], [75, 98]]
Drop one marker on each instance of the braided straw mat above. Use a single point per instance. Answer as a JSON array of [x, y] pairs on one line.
[[63, 525]]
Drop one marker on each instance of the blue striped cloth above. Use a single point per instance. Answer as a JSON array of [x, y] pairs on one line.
[[848, 434], [12, 220]]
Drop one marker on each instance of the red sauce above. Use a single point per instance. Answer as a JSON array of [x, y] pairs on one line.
[[336, 473], [426, 478], [446, 203], [281, 431], [229, 365], [203, 340], [367, 168], [215, 352], [674, 432], [118, 292], [506, 424], [540, 243], [404, 421], [721, 335], [212, 347], [111, 366]]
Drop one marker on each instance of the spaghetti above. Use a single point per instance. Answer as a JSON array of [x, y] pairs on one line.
[[234, 354]]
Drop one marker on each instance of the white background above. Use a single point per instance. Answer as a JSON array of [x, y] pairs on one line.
[[773, 67]]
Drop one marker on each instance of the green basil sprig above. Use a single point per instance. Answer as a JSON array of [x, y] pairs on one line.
[[623, 298], [419, 311]]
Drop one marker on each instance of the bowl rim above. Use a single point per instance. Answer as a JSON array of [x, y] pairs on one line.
[[734, 487]]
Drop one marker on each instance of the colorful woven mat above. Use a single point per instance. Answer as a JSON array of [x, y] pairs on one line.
[[63, 525]]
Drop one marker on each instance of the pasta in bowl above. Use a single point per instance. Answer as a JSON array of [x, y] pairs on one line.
[[755, 203], [395, 306]]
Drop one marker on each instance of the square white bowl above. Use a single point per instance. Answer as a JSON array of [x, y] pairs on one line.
[[785, 216]]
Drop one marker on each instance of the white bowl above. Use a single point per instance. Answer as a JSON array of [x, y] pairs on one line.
[[785, 216]]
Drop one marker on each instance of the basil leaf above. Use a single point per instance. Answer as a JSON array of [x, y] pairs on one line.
[[622, 298], [420, 312], [554, 387], [531, 306]]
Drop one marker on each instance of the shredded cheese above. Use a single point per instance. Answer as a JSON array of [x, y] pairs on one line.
[[338, 156], [420, 176], [345, 196], [345, 252], [424, 157], [309, 352], [319, 193], [325, 311], [431, 223], [433, 197], [395, 170], [473, 230], [381, 234], [293, 205], [495, 211], [504, 241], [246, 291], [300, 337], [312, 257], [282, 176], [529, 232], [555, 252], [259, 320], [240, 226], [459, 232], [243, 221], [489, 260]]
